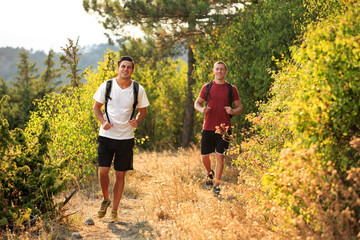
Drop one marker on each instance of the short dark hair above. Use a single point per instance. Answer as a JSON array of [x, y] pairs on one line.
[[126, 58], [221, 62]]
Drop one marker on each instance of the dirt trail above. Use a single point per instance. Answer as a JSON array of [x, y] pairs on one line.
[[132, 223]]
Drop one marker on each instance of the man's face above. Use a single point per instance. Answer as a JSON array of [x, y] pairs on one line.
[[125, 69], [219, 71]]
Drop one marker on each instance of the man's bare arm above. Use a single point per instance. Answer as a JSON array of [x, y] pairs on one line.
[[99, 115], [198, 106], [139, 117], [238, 108]]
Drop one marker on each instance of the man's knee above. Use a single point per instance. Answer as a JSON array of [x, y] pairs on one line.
[[120, 175], [103, 171], [205, 157], [220, 159]]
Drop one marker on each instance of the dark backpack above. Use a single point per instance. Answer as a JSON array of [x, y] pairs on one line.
[[107, 97], [207, 91]]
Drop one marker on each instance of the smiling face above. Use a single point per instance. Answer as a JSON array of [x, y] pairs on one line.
[[219, 71], [125, 69]]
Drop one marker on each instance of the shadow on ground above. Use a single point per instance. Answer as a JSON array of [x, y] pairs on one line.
[[128, 230]]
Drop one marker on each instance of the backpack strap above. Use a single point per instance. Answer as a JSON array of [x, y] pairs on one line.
[[230, 92], [107, 97], [136, 93], [207, 90]]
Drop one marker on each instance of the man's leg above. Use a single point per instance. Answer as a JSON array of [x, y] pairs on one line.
[[123, 162], [221, 146], [207, 147], [118, 188], [104, 181], [219, 168], [207, 163], [210, 173]]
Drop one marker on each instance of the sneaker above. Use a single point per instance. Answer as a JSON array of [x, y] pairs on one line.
[[113, 216], [216, 189], [103, 207], [210, 180]]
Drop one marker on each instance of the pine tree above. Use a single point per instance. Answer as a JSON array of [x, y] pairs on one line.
[[24, 90], [5, 92], [3, 87], [145, 50], [70, 62], [169, 22], [48, 80]]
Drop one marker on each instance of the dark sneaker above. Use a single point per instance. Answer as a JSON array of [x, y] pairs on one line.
[[210, 180], [216, 189], [103, 207]]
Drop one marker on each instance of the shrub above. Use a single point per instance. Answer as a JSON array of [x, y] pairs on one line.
[[315, 181], [270, 126], [28, 180]]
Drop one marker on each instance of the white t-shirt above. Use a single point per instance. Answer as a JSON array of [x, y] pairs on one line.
[[119, 109]]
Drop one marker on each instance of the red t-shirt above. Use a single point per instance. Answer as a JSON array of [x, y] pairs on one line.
[[217, 99]]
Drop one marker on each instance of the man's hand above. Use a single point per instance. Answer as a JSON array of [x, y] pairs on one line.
[[106, 126], [133, 123], [205, 110], [228, 110]]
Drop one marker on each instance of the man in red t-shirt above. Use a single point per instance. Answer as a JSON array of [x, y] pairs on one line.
[[217, 115]]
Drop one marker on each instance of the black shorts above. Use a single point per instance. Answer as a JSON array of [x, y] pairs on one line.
[[119, 150], [211, 142]]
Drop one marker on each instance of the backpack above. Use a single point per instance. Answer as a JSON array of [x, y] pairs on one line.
[[207, 90], [107, 97]]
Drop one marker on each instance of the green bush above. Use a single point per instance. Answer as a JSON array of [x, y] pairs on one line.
[[264, 141], [28, 180], [73, 130], [315, 181]]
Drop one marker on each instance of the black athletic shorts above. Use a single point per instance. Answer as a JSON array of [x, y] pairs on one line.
[[211, 142], [119, 150]]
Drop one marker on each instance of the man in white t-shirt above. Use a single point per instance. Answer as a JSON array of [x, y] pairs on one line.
[[116, 134]]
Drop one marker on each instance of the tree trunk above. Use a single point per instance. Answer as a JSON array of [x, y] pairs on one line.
[[188, 125]]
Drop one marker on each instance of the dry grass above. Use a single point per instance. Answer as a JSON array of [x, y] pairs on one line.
[[175, 197]]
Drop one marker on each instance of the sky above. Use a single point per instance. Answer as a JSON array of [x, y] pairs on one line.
[[47, 24]]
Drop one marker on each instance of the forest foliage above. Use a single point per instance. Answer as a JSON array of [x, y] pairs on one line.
[[296, 66]]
